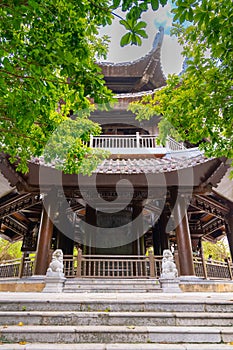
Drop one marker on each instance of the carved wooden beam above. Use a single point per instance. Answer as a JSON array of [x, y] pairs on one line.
[[19, 203], [199, 230], [212, 226], [15, 225], [209, 206], [195, 227]]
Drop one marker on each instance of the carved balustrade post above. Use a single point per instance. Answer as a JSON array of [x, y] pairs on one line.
[[152, 264], [230, 269], [21, 267], [79, 260], [204, 266]]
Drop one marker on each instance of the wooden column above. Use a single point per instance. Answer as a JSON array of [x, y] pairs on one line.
[[229, 231], [44, 242], [142, 245], [137, 227], [65, 234], [156, 239], [160, 236], [183, 238], [90, 231], [163, 220], [195, 244]]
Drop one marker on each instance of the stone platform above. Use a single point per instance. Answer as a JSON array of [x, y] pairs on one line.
[[37, 284], [116, 321]]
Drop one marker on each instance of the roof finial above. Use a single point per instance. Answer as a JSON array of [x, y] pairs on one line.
[[158, 38]]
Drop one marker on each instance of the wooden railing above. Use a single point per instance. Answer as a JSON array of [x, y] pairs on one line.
[[213, 269], [133, 141], [17, 267], [125, 266], [121, 266], [10, 268]]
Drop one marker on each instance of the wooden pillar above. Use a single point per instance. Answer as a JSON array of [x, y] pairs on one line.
[[142, 245], [183, 238], [229, 232], [195, 244], [65, 234], [65, 243], [90, 231], [44, 241], [160, 236], [137, 228], [156, 239], [163, 220]]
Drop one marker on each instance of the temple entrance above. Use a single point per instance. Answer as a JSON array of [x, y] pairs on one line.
[[112, 242]]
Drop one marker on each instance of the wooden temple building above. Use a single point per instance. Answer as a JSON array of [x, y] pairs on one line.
[[143, 195]]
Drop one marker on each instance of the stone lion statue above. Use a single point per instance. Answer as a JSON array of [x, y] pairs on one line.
[[56, 264], [169, 269]]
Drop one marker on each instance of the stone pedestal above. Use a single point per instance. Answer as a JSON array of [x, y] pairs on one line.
[[170, 285], [169, 280], [55, 279], [54, 282]]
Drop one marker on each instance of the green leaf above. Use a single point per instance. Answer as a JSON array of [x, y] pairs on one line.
[[134, 13], [126, 24], [143, 6], [155, 5], [133, 39], [115, 4], [125, 40], [142, 33], [183, 17], [190, 15], [138, 40], [126, 5], [140, 25]]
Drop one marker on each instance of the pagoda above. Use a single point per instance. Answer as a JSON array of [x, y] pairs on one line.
[[143, 195]]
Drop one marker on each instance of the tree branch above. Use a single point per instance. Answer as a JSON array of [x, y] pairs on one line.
[[67, 82], [22, 135]]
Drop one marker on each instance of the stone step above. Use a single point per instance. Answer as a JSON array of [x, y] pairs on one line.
[[112, 290], [82, 318], [116, 302], [113, 281], [116, 334], [111, 285], [126, 346]]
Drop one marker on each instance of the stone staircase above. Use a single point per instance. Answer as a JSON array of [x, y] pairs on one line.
[[113, 285], [115, 321]]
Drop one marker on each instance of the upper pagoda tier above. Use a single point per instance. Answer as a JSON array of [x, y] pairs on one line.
[[141, 75]]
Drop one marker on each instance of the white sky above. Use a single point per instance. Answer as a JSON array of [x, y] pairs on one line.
[[171, 57]]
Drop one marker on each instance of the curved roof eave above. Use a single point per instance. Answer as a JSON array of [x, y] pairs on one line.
[[142, 74], [175, 173], [157, 44]]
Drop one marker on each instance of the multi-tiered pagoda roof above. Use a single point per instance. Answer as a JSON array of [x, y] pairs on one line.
[[21, 203]]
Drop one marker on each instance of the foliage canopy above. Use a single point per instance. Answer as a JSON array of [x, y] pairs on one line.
[[219, 250], [9, 250], [198, 104], [48, 71]]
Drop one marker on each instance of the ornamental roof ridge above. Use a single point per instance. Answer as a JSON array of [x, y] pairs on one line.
[[157, 43]]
